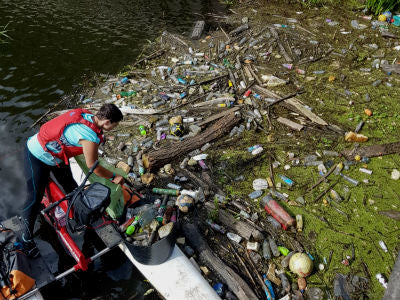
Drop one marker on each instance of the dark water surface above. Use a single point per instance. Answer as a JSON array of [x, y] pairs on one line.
[[54, 43]]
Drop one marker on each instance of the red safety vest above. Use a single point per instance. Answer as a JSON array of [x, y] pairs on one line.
[[54, 130]]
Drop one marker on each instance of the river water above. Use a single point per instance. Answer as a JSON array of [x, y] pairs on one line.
[[53, 44]]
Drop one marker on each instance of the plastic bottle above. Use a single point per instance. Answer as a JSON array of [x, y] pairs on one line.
[[255, 194], [233, 131], [266, 250], [383, 246], [330, 153], [244, 214], [162, 209], [147, 216], [142, 130], [171, 192], [275, 224], [252, 148], [205, 147], [284, 281], [299, 223], [173, 216], [216, 226], [60, 216], [184, 163], [381, 280], [234, 237], [132, 227], [270, 294], [310, 158], [335, 196], [278, 195], [274, 209], [127, 94], [124, 80], [130, 161], [349, 179], [322, 169], [273, 246], [287, 180], [338, 169], [283, 250], [174, 186], [219, 288]]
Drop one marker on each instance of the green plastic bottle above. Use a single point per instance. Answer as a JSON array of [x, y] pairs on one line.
[[142, 130], [171, 192], [127, 94], [131, 228]]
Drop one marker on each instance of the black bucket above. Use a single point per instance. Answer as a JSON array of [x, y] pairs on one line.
[[158, 252]]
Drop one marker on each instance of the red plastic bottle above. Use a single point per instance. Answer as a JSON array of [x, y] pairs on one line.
[[274, 209]]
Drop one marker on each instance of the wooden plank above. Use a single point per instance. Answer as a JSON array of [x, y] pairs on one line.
[[290, 124], [294, 102], [198, 30], [219, 115]]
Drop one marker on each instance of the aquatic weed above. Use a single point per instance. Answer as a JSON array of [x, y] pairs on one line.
[[379, 6]]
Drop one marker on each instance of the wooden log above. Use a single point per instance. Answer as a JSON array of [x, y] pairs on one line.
[[235, 283], [242, 228], [166, 154], [290, 124], [219, 115], [372, 151], [198, 30]]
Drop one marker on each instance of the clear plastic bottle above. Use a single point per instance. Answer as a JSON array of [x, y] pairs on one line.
[[147, 216], [234, 237], [266, 250], [274, 247]]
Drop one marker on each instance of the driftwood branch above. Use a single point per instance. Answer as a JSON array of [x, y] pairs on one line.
[[235, 283], [164, 155], [151, 56], [373, 151], [322, 178], [292, 102]]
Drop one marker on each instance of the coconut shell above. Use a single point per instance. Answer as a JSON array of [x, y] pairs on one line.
[[301, 264]]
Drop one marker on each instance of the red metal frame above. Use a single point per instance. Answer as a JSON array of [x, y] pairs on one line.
[[53, 194]]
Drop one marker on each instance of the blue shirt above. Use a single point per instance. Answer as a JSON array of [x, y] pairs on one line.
[[73, 133]]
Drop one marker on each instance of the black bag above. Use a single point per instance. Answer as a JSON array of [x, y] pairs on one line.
[[89, 205], [15, 270]]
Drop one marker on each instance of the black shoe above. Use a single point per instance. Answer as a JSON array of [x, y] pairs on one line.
[[29, 248]]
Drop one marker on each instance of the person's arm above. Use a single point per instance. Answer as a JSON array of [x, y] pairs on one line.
[[90, 151]]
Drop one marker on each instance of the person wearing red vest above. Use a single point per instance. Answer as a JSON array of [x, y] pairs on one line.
[[75, 132]]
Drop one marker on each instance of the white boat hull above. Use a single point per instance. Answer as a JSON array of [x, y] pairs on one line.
[[175, 279]]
